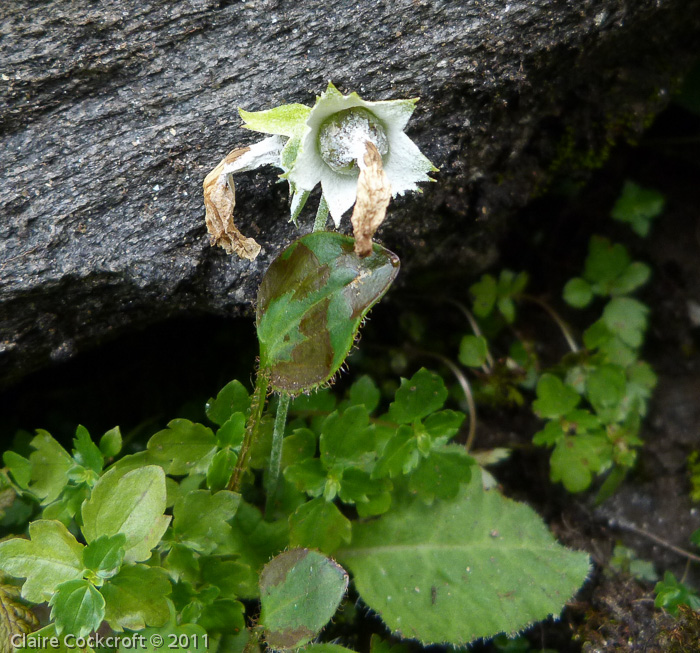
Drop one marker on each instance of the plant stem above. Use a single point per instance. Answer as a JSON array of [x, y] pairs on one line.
[[276, 452], [626, 526], [321, 215], [251, 430], [563, 326], [488, 365]]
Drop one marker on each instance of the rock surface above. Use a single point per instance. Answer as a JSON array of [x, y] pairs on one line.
[[112, 113]]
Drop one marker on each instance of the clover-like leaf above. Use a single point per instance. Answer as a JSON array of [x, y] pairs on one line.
[[637, 207], [554, 398], [310, 305]]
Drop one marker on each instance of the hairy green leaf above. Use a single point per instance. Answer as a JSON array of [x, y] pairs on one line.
[[300, 590], [286, 120], [457, 571], [310, 305]]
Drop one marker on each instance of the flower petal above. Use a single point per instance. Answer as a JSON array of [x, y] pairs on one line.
[[340, 192], [405, 165], [265, 152]]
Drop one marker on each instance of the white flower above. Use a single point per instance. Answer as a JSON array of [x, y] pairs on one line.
[[403, 162]]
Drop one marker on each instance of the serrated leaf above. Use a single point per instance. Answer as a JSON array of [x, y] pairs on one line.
[[637, 207], [137, 597], [221, 469], [575, 460], [627, 318], [347, 439], [232, 431], [605, 389], [473, 351], [484, 292], [285, 120], [310, 305], [193, 636], [20, 467], [132, 504], [298, 446], [111, 443], [200, 518], [50, 557], [47, 637], [86, 452], [77, 608], [441, 474], [365, 392], [400, 455], [233, 578], [417, 397], [104, 556], [605, 261], [184, 447], [223, 615], [50, 465], [635, 276], [554, 398], [232, 398], [444, 424], [318, 524], [458, 571], [578, 293], [300, 590]]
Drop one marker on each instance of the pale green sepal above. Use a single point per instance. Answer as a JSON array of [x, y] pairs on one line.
[[286, 120]]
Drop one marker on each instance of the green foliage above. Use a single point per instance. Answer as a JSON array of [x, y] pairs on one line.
[[489, 294], [169, 541], [671, 593], [637, 207], [693, 466], [625, 561]]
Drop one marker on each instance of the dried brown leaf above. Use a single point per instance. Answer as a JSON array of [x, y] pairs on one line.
[[15, 617], [373, 195], [219, 202]]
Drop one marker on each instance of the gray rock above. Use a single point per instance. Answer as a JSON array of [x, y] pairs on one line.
[[112, 113]]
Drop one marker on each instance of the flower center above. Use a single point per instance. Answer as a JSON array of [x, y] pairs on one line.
[[342, 138]]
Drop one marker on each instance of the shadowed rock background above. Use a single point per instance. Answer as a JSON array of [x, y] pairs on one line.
[[112, 113]]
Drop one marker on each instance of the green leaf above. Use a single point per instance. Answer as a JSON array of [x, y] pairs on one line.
[[50, 466], [327, 648], [578, 293], [444, 424], [232, 398], [256, 540], [20, 467], [105, 555], [605, 389], [111, 443], [670, 593], [605, 261], [473, 351], [86, 452], [575, 460], [422, 394], [484, 292], [131, 503], [365, 392], [223, 616], [627, 318], [441, 474], [137, 597], [50, 557], [554, 399], [184, 447], [310, 305], [285, 120], [193, 636], [458, 571], [300, 590], [347, 439], [77, 608], [221, 469], [232, 431], [233, 578], [298, 446], [636, 275], [308, 476], [400, 454], [319, 524], [637, 207], [200, 518]]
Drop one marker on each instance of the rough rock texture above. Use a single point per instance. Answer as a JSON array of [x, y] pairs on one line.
[[112, 112]]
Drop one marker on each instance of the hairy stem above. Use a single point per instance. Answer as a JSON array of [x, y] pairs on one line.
[[251, 431], [276, 452]]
